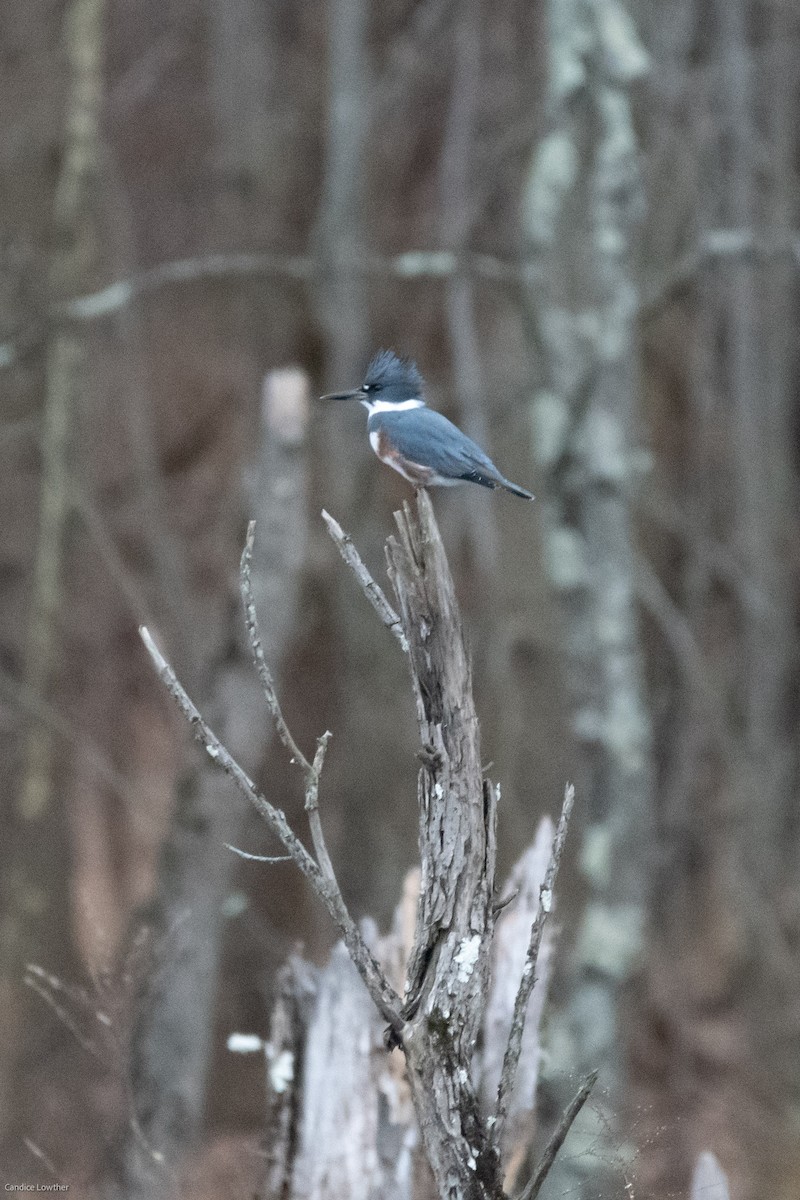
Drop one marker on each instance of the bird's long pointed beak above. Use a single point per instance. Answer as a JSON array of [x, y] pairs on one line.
[[354, 395]]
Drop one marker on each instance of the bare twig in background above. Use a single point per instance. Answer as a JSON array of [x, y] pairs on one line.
[[63, 999], [718, 244], [166, 552], [409, 56], [18, 697], [39, 1154], [679, 635], [103, 540], [514, 1047], [542, 1170]]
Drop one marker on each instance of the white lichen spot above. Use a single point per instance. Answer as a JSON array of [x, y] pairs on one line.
[[596, 856], [472, 1162], [245, 1043], [212, 752], [554, 172], [566, 560], [625, 56], [466, 956], [281, 1072], [551, 417], [463, 1075], [547, 900], [438, 791]]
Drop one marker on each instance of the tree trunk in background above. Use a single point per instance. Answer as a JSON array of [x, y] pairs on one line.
[[340, 234], [171, 1040], [582, 206], [717, 1058], [36, 921]]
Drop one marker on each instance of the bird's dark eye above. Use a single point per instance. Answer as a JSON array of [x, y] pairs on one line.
[[371, 387]]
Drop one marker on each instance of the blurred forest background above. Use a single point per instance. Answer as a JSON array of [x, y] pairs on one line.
[[581, 219]]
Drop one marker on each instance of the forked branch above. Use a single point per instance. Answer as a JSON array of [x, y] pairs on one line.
[[320, 876]]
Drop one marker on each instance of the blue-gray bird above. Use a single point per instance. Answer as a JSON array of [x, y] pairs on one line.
[[426, 448]]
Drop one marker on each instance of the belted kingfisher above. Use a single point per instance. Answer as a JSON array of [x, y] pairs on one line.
[[426, 448]]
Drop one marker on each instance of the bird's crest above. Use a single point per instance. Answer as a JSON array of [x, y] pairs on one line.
[[388, 368]]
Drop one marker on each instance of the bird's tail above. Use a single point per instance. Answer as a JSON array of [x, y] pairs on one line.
[[516, 491]]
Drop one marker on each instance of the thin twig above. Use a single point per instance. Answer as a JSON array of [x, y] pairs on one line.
[[369, 587], [254, 637], [260, 858], [48, 988], [501, 905], [311, 770], [16, 694], [526, 984], [37, 1152], [383, 994], [312, 809], [534, 1185]]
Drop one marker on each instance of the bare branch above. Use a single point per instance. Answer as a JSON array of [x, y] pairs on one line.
[[369, 587], [49, 988], [38, 1153], [679, 636], [718, 244], [112, 560], [20, 697], [533, 1187], [312, 808], [311, 770], [383, 995], [514, 1047], [262, 858], [254, 637]]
